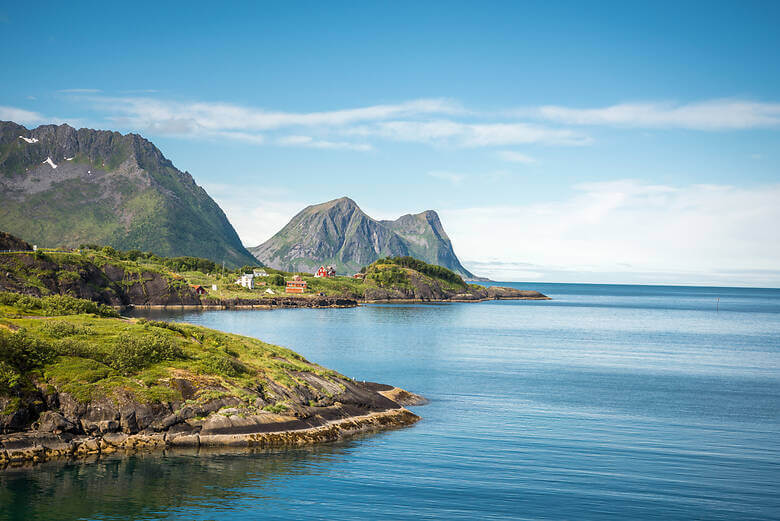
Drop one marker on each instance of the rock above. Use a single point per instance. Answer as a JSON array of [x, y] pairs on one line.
[[52, 421]]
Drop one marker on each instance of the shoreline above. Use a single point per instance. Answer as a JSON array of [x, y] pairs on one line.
[[292, 304], [32, 448]]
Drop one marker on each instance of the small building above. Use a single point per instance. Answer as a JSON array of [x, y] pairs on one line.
[[260, 273], [246, 280], [330, 271], [295, 286], [200, 290], [213, 287], [360, 276]]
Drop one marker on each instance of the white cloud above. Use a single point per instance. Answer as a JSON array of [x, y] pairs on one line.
[[450, 177], [21, 116], [151, 113], [697, 232], [718, 114], [79, 91], [448, 132], [515, 157], [256, 215], [308, 141]]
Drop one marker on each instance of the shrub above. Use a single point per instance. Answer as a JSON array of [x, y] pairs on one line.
[[388, 276], [24, 352], [213, 363], [57, 305], [133, 352], [9, 378], [275, 280], [431, 270], [79, 348], [276, 408], [165, 325], [61, 329]]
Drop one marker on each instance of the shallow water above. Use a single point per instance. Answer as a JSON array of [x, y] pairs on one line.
[[608, 402]]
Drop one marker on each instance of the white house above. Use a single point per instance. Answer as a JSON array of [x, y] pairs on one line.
[[247, 280], [260, 273]]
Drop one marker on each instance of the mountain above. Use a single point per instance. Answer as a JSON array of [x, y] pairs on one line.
[[339, 233], [64, 187]]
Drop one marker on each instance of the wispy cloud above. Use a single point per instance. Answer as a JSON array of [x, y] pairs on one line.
[[439, 122], [24, 117], [450, 177], [308, 141], [79, 91], [718, 114], [515, 157], [629, 226], [148, 112], [470, 135]]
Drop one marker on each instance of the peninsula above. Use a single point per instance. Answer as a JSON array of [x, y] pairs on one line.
[[135, 278], [78, 379]]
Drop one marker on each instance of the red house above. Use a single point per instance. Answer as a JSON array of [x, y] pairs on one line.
[[296, 285], [330, 271], [200, 290]]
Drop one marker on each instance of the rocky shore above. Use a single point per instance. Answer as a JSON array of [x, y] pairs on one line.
[[80, 431]]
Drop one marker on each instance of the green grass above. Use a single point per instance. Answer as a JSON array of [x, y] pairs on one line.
[[92, 356]]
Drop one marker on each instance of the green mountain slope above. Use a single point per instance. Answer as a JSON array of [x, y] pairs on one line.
[[64, 187], [339, 233]]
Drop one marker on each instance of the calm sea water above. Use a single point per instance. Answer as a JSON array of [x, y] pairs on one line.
[[609, 402]]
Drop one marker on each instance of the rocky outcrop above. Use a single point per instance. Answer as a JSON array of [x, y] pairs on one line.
[[427, 289], [10, 243], [322, 410], [107, 284], [32, 448]]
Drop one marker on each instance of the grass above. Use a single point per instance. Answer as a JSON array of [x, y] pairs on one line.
[[90, 356]]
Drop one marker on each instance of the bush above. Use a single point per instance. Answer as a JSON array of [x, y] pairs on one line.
[[9, 378], [213, 363], [61, 329], [388, 276], [79, 348], [275, 280], [165, 325], [431, 270], [133, 352], [24, 352], [57, 305]]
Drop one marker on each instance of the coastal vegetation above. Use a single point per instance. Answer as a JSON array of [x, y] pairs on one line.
[[120, 278]]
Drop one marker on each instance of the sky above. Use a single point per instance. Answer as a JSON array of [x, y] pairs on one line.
[[603, 142]]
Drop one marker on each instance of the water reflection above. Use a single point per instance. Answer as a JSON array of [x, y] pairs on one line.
[[153, 485]]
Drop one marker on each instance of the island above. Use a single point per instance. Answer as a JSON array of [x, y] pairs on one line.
[[77, 379]]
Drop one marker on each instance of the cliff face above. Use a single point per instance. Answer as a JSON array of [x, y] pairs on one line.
[[65, 187], [339, 233]]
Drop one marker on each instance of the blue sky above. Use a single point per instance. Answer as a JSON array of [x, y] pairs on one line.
[[602, 142]]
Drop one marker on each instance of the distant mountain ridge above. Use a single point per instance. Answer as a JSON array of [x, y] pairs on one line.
[[339, 233], [64, 187]]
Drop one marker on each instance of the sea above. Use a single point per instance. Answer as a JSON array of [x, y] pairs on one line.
[[607, 402]]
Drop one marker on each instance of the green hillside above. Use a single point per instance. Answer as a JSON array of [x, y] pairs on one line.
[[107, 188]]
